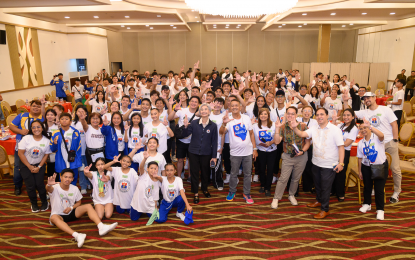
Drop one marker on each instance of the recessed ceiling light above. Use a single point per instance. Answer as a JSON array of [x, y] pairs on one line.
[[197, 21], [171, 25], [147, 25], [151, 28], [364, 13], [67, 17], [304, 13], [305, 24], [392, 13], [193, 10], [283, 24], [343, 25], [96, 16], [122, 25], [126, 16], [227, 25], [128, 28], [279, 26], [174, 27], [299, 26], [351, 24], [333, 14], [239, 25], [196, 17], [158, 15]]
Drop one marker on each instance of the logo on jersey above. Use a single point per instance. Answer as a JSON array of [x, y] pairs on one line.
[[281, 119], [65, 202], [98, 109], [124, 185], [148, 191], [370, 153], [171, 193], [374, 120], [119, 139], [135, 140], [331, 106], [239, 130], [35, 152], [208, 131], [265, 135]]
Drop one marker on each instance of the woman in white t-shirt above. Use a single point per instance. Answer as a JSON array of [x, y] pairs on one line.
[[152, 145], [264, 132], [174, 195], [98, 102], [371, 151], [114, 107], [33, 152], [51, 126], [159, 130], [102, 193], [133, 135], [331, 103], [350, 132]]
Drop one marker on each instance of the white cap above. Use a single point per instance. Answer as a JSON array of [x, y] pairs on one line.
[[368, 94]]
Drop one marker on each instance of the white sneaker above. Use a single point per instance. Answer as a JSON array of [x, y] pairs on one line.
[[240, 172], [293, 200], [274, 204], [380, 215], [220, 188], [365, 208], [373, 192], [180, 216], [274, 179], [107, 228], [89, 187], [394, 198], [83, 192], [200, 185], [186, 166], [80, 239], [228, 177], [255, 178]]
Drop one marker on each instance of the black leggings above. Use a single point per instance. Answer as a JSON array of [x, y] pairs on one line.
[[278, 158], [308, 181], [226, 153], [340, 179], [265, 163], [34, 181], [379, 186]]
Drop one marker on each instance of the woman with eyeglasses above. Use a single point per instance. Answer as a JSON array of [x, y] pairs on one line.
[[33, 152]]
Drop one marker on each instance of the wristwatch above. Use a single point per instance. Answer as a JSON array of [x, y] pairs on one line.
[[255, 148], [395, 140], [342, 164]]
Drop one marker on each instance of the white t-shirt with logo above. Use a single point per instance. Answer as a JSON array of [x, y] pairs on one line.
[[400, 94], [134, 138], [274, 115], [218, 119], [108, 192], [372, 151], [61, 199], [333, 105], [239, 138], [349, 135], [94, 138], [159, 159], [381, 119], [181, 115], [97, 107], [146, 194], [124, 186], [34, 150], [120, 138], [78, 126], [263, 135], [169, 190], [160, 132], [79, 88]]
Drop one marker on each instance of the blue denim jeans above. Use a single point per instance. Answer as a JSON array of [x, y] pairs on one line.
[[83, 181], [17, 178]]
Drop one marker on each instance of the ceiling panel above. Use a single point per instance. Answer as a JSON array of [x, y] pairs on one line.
[[231, 27], [47, 3], [143, 28], [345, 26]]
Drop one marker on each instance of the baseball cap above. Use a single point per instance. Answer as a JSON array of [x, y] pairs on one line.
[[368, 94]]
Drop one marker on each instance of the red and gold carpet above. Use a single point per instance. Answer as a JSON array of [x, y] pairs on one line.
[[222, 230]]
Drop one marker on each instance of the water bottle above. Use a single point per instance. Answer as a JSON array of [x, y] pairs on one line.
[[61, 100], [3, 132], [27, 102]]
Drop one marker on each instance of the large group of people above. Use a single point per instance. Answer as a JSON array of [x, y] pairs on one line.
[[122, 142]]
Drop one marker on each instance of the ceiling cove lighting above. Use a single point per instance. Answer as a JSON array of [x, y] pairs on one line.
[[333, 14], [67, 17], [343, 25], [299, 26], [304, 13], [351, 24], [128, 28], [174, 27], [364, 13], [96, 16], [126, 16], [234, 8], [122, 26], [158, 15], [171, 25], [151, 28], [392, 13]]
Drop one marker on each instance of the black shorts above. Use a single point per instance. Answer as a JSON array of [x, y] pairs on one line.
[[70, 217], [182, 149]]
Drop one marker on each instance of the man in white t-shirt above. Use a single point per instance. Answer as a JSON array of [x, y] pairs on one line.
[[383, 119], [227, 76], [280, 74], [398, 100], [65, 200], [242, 148], [328, 156], [78, 90]]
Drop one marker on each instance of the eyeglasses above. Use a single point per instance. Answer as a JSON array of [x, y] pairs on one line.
[[36, 127]]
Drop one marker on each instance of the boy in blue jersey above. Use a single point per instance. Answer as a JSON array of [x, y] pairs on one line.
[[72, 138], [59, 85]]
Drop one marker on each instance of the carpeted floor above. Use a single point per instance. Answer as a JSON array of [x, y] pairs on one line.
[[222, 230]]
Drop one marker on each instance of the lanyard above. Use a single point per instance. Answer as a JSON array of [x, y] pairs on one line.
[[302, 120], [367, 145]]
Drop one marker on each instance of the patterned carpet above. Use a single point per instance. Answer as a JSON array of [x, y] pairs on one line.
[[222, 230]]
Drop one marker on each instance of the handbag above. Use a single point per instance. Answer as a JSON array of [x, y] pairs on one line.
[[178, 130], [378, 171], [71, 153]]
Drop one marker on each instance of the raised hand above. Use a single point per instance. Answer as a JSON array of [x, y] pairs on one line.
[[226, 118], [293, 124], [134, 105], [55, 141], [352, 83], [185, 121], [163, 95], [251, 99], [182, 69], [237, 77], [116, 158], [87, 168], [253, 78], [51, 180], [196, 65], [105, 178], [138, 94], [268, 75], [43, 100], [171, 100], [297, 77], [212, 105], [278, 123], [366, 123], [253, 120], [81, 114], [326, 94], [334, 116], [314, 74], [165, 122], [178, 106], [105, 121], [145, 154], [126, 127], [235, 91], [288, 104]]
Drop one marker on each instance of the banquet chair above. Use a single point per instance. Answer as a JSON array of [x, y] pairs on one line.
[[6, 104], [76, 105], [6, 111], [407, 107], [412, 101], [10, 118], [53, 93], [381, 85], [21, 110], [5, 162], [379, 92], [19, 103], [405, 135]]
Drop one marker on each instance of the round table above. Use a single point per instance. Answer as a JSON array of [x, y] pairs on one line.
[[9, 144], [381, 100]]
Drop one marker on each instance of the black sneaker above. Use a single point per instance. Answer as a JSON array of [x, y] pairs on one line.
[[17, 191], [35, 208], [45, 206], [267, 193], [261, 190]]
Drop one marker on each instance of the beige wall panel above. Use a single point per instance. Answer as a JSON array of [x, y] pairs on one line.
[[305, 73], [359, 72], [146, 52], [193, 46], [161, 52], [256, 51], [295, 65], [224, 48], [341, 69], [312, 46], [271, 57], [342, 47], [378, 72], [286, 52], [131, 53], [177, 50], [115, 46], [316, 67], [302, 48], [240, 51], [208, 60]]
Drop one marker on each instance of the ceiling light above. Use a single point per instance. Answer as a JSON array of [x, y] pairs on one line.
[[304, 13], [343, 25], [195, 16], [193, 10], [67, 17], [227, 25], [333, 14], [233, 8], [239, 25], [364, 13], [96, 16], [151, 28], [171, 25], [126, 16], [283, 24], [299, 26], [305, 24], [174, 27], [158, 15], [115, 0], [197, 21], [147, 25], [128, 28], [122, 26], [392, 13], [351, 24], [279, 26]]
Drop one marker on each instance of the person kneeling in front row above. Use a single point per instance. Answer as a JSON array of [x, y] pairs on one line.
[[65, 200]]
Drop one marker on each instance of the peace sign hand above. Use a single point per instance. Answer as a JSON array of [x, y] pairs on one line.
[[253, 78], [293, 124], [226, 118], [87, 168], [105, 178], [278, 123], [116, 158], [165, 122], [145, 154], [51, 180], [105, 121], [366, 123]]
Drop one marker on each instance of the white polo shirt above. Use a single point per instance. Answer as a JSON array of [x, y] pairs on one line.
[[325, 145]]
